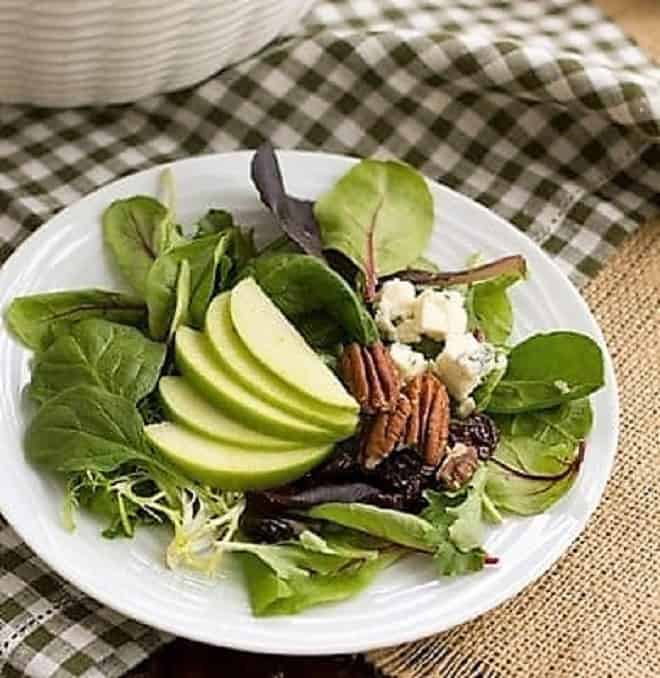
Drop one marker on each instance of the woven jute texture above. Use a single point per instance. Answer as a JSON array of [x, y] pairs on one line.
[[596, 613]]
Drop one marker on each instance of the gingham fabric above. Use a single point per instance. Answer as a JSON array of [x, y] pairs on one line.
[[540, 109]]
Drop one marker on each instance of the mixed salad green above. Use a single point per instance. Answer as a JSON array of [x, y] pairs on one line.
[[347, 269]]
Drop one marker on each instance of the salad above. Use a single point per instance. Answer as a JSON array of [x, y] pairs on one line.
[[315, 408]]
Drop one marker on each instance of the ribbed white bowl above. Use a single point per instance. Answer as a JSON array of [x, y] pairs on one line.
[[75, 52]]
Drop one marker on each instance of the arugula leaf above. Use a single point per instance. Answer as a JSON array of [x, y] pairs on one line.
[[85, 428], [38, 319], [137, 230], [204, 256], [380, 215], [295, 217], [547, 370], [99, 353], [300, 284], [489, 306]]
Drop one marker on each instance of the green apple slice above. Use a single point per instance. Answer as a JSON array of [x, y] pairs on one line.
[[187, 406], [238, 360], [228, 467], [276, 343], [197, 362]]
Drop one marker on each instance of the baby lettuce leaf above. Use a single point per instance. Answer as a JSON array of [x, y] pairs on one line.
[[484, 391], [547, 370], [99, 353], [137, 230], [566, 424], [271, 594], [204, 256], [538, 456], [212, 277], [299, 285], [182, 300], [457, 518], [534, 458], [85, 428], [424, 264], [514, 265], [515, 492], [380, 215], [490, 309], [394, 526], [295, 217], [38, 319], [449, 528]]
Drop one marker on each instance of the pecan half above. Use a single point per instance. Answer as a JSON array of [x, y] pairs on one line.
[[371, 376], [428, 425], [458, 466], [384, 433]]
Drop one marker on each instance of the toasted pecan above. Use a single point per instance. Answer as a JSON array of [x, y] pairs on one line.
[[428, 425], [371, 376], [385, 432]]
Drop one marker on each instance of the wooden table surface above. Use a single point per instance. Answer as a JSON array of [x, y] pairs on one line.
[[184, 659]]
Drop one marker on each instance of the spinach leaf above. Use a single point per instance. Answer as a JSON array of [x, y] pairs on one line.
[[299, 285], [490, 309], [295, 217], [320, 330], [38, 319], [547, 370], [99, 353], [137, 230], [394, 526], [85, 428], [214, 221], [204, 256], [380, 215]]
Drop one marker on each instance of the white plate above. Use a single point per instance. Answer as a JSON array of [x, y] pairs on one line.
[[405, 602]]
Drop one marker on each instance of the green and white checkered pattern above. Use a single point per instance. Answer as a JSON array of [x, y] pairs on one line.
[[540, 109]]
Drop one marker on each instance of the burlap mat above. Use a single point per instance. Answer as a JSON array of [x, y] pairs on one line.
[[596, 613]]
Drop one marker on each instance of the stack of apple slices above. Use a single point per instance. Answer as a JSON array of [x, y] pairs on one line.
[[256, 407]]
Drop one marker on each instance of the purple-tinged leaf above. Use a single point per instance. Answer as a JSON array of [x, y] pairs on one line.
[[295, 216]]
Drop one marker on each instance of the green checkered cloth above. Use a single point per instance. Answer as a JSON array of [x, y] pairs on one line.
[[542, 110]]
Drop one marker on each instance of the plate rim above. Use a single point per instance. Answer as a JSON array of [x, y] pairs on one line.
[[260, 644]]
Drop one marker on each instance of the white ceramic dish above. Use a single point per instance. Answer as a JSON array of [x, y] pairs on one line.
[[78, 52], [406, 601]]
